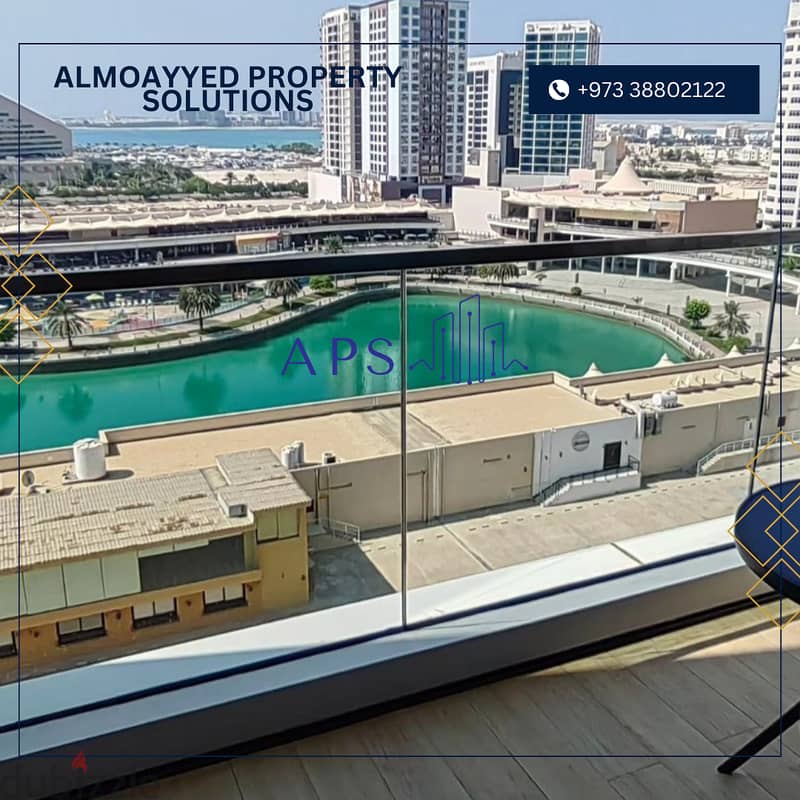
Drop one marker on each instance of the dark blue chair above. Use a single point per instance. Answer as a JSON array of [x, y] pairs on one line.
[[768, 538]]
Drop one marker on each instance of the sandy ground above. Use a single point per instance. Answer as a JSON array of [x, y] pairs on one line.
[[263, 175]]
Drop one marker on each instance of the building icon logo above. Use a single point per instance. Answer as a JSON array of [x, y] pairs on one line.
[[464, 350]]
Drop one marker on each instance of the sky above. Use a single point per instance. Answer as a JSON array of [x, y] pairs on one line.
[[492, 23]]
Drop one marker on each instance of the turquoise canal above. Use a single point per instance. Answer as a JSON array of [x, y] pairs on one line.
[[56, 409]]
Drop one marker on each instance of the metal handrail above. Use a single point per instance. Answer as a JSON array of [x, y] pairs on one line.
[[633, 465], [343, 530], [293, 265], [737, 445]]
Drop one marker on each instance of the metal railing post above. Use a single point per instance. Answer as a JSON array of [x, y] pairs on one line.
[[403, 447]]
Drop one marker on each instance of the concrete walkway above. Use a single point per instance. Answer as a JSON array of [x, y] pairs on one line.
[[504, 536], [661, 294]]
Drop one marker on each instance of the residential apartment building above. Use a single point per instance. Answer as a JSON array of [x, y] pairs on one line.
[[552, 144], [493, 103], [121, 561], [781, 206], [412, 135], [340, 36]]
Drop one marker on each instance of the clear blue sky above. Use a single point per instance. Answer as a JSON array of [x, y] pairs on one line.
[[491, 21]]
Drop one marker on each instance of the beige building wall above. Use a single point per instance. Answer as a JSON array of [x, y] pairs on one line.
[[480, 474], [690, 432], [710, 216]]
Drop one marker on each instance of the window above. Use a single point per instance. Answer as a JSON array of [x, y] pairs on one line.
[[156, 612], [224, 597], [77, 630], [280, 524], [8, 644]]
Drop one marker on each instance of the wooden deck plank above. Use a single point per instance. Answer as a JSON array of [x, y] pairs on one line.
[[206, 783], [276, 775], [587, 724], [468, 745], [406, 759], [523, 732], [693, 699], [337, 767], [702, 690]]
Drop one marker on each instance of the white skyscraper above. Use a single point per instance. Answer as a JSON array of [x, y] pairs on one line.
[[782, 200], [340, 38], [494, 87], [412, 135], [552, 144]]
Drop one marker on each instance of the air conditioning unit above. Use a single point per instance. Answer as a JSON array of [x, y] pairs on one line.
[[665, 399], [328, 457], [237, 510]]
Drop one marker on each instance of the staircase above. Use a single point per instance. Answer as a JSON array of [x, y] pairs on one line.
[[743, 447], [597, 483]]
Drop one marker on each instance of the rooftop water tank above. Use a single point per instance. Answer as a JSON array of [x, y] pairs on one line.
[[300, 450], [89, 456], [289, 456]]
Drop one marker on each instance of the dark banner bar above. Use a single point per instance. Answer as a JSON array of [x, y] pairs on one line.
[[649, 89]]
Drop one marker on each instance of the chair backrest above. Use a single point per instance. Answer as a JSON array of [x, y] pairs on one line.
[[766, 536]]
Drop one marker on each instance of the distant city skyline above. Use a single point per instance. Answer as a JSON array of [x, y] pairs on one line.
[[622, 21]]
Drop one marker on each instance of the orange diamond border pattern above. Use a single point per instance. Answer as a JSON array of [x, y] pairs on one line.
[[30, 244], [780, 546]]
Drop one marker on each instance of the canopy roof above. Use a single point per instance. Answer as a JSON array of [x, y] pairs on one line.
[[625, 181]]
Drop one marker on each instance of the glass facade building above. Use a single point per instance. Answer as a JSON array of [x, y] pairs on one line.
[[552, 144]]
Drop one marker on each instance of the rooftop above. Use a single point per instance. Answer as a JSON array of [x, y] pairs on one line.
[[353, 434], [134, 216], [82, 520], [695, 387]]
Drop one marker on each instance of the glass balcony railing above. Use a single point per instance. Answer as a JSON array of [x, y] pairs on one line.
[[381, 436]]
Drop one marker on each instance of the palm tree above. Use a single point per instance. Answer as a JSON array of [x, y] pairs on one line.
[[251, 179], [8, 333], [540, 275], [198, 301], [333, 244], [502, 272], [731, 322], [63, 322], [230, 178], [283, 287]]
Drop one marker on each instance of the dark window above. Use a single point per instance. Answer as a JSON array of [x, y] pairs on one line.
[[219, 557], [223, 597], [77, 630], [156, 612], [8, 645]]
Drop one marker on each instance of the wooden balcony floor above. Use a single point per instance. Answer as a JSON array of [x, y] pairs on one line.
[[661, 712]]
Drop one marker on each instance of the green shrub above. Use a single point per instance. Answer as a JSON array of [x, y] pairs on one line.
[[696, 311], [321, 283]]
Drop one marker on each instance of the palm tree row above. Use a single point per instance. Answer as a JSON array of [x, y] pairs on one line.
[[500, 272], [731, 321], [63, 321], [198, 301]]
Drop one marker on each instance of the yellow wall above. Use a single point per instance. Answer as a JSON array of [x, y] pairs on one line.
[[277, 577], [284, 568]]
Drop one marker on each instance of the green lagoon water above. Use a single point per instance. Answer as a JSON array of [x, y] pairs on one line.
[[56, 409]]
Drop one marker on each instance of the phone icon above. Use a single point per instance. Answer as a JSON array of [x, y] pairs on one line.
[[558, 90]]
